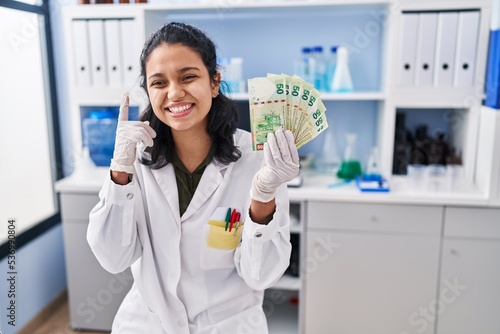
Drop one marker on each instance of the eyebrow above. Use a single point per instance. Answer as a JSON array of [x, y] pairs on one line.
[[186, 69], [182, 70]]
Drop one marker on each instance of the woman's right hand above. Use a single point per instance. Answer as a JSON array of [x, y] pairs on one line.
[[128, 135]]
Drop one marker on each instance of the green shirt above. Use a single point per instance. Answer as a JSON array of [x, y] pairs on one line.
[[187, 182]]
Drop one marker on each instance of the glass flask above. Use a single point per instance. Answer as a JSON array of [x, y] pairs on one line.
[[342, 81], [328, 160], [350, 166]]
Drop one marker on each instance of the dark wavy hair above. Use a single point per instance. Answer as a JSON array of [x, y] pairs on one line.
[[223, 114]]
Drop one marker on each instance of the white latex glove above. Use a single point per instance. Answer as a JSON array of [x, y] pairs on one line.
[[128, 135], [282, 165]]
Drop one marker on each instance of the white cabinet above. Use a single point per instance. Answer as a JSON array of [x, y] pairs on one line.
[[97, 86], [94, 294], [369, 29], [470, 272], [249, 30], [362, 279], [488, 154], [282, 304]]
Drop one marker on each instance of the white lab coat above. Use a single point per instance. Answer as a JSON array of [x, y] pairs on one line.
[[180, 285]]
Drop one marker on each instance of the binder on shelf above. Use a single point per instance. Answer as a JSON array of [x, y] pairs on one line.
[[81, 52], [409, 26], [128, 52], [114, 66], [468, 28], [97, 52], [426, 49], [493, 69], [445, 49]]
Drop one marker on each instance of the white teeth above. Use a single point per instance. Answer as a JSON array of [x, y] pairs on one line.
[[180, 109]]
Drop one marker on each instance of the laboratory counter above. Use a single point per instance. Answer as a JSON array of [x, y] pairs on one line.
[[322, 187]]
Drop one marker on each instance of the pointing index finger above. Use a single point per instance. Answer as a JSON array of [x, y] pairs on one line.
[[123, 116]]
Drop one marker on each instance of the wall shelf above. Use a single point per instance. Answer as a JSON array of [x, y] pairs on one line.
[[273, 6], [354, 96]]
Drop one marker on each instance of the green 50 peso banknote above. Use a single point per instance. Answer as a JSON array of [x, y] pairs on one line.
[[288, 102]]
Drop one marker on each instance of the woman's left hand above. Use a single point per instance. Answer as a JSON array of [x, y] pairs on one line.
[[282, 165]]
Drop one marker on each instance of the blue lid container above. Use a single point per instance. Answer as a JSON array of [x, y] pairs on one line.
[[99, 131]]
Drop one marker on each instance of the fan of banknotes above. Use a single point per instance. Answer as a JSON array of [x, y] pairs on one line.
[[288, 102]]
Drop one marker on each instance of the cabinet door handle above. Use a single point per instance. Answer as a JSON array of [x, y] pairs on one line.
[[453, 251], [374, 219]]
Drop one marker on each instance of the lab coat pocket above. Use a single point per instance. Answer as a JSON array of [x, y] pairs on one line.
[[220, 239]]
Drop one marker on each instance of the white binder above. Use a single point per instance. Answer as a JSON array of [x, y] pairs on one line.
[[409, 27], [129, 55], [426, 49], [114, 66], [468, 27], [97, 52], [444, 63], [81, 52]]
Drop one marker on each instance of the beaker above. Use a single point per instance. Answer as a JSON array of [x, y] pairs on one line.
[[350, 166]]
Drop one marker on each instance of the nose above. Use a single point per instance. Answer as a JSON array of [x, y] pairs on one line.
[[175, 92]]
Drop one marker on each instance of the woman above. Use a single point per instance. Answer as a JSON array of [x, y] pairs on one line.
[[171, 212]]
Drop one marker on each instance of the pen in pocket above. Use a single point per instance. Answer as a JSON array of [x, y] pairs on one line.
[[228, 218], [238, 216], [233, 219]]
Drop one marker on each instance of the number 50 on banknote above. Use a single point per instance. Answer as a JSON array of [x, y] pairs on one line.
[[288, 102]]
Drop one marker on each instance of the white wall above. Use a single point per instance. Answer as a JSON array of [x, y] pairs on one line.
[[41, 276], [41, 263], [62, 82]]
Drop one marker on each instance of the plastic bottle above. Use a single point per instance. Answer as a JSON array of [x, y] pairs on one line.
[[438, 149], [320, 69], [328, 160], [298, 65], [403, 141], [342, 81], [421, 146], [305, 65], [231, 69], [350, 166], [331, 63]]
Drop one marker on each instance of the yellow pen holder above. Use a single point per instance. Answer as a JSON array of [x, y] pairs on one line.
[[219, 238]]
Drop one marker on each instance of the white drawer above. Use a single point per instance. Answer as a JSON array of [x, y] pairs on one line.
[[77, 206], [375, 217], [472, 222]]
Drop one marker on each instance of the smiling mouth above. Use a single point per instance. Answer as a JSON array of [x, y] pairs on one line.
[[180, 109]]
